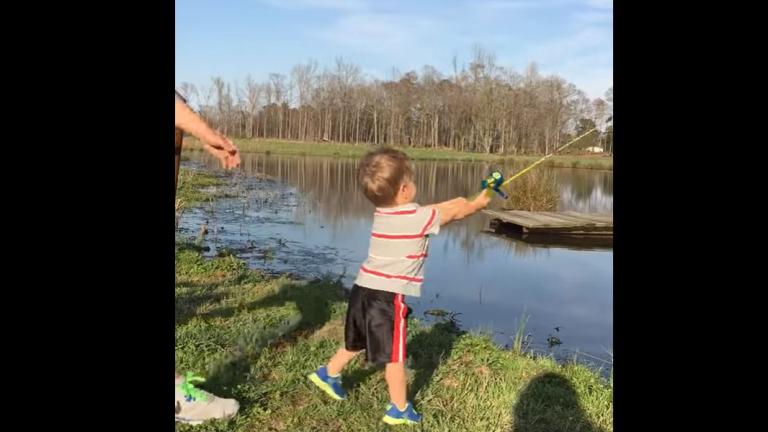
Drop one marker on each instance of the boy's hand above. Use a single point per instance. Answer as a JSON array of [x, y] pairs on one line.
[[482, 200]]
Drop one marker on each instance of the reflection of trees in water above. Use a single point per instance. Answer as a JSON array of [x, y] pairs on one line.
[[331, 184], [586, 190], [329, 187]]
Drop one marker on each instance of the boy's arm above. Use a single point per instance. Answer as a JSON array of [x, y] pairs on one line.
[[459, 208]]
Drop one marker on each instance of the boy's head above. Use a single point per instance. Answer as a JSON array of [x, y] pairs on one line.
[[386, 176]]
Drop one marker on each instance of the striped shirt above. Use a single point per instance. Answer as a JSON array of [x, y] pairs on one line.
[[398, 248]]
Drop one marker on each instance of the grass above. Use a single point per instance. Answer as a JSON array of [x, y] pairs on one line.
[[195, 187], [256, 337], [300, 148], [520, 340]]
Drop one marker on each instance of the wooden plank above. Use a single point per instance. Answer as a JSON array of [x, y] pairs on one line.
[[546, 221], [540, 219], [598, 219], [555, 223], [570, 230], [537, 219], [551, 218], [512, 217], [580, 218], [567, 219], [603, 218]]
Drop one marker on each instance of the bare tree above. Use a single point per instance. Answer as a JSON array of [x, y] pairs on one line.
[[481, 107]]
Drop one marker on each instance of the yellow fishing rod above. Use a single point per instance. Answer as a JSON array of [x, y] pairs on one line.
[[495, 180]]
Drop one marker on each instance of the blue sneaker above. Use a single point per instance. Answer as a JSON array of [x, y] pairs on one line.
[[396, 417], [328, 384]]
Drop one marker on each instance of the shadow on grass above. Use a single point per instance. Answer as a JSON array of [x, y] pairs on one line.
[[315, 303], [427, 349], [549, 404]]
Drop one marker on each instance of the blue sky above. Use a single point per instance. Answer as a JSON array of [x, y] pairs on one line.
[[234, 38]]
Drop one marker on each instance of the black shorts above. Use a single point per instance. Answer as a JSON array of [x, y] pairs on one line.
[[376, 323]]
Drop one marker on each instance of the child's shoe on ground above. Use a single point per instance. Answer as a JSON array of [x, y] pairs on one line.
[[396, 417], [330, 385], [195, 406]]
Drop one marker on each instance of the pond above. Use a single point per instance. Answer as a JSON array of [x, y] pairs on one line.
[[306, 216]]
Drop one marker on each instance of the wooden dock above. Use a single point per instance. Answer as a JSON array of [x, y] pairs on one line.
[[546, 241], [566, 224]]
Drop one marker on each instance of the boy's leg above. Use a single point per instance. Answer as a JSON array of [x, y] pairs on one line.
[[354, 332], [388, 330], [397, 383], [328, 377], [339, 360]]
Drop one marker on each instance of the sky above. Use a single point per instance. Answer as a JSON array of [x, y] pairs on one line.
[[234, 38]]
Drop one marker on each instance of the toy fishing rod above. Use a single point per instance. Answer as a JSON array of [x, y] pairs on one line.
[[495, 180]]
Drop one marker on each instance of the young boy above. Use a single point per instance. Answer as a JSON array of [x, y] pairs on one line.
[[376, 312]]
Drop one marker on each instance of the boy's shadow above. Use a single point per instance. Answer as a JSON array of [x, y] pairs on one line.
[[425, 350], [314, 300], [197, 294], [549, 404]]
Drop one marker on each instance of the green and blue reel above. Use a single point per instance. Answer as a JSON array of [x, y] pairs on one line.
[[494, 182]]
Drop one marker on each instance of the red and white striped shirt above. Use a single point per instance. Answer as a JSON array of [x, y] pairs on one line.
[[398, 248]]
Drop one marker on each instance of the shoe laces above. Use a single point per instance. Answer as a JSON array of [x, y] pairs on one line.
[[192, 393]]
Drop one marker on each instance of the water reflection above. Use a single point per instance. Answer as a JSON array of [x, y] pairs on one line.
[[331, 184]]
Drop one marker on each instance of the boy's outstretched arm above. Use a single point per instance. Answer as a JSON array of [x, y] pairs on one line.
[[459, 208]]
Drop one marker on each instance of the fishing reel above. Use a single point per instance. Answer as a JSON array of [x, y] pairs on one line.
[[494, 182]]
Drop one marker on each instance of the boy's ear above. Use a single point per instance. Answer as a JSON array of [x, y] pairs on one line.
[[403, 187]]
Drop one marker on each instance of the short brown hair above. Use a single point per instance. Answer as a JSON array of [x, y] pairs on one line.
[[381, 173]]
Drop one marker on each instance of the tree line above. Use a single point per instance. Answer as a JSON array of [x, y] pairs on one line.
[[479, 107]]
